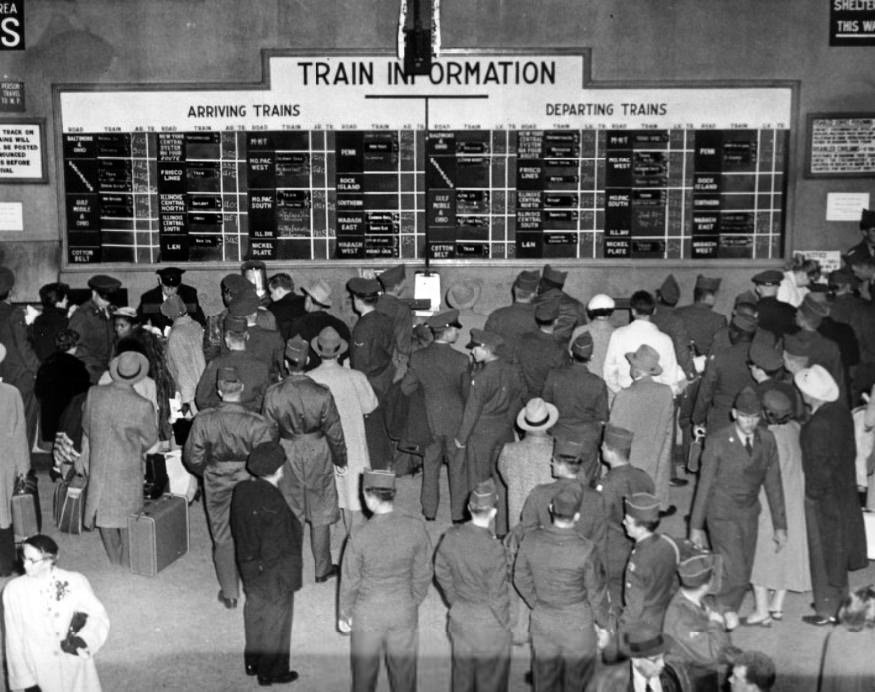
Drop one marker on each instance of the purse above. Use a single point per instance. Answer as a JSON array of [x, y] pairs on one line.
[[72, 642], [156, 479]]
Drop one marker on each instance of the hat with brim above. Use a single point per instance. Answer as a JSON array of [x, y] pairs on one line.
[[644, 642], [645, 359], [363, 288], [744, 323], [171, 276], [448, 318], [319, 292], [328, 343], [537, 414], [244, 303], [566, 450], [173, 307], [768, 277], [129, 367], [490, 340], [463, 294], [817, 383], [235, 284], [867, 219], [378, 478], [747, 403], [601, 301], [126, 312], [104, 284], [266, 458], [642, 506], [763, 355]]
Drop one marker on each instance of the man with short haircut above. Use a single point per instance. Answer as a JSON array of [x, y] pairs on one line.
[[470, 566], [513, 320], [647, 671], [571, 311], [317, 302], [265, 345], [310, 431], [773, 315], [538, 351], [621, 481], [93, 322], [560, 576], [698, 630], [391, 305], [285, 304], [268, 539], [169, 284], [252, 372], [752, 671], [387, 570], [627, 340], [646, 407], [700, 319], [738, 461], [218, 445], [439, 369], [599, 310]]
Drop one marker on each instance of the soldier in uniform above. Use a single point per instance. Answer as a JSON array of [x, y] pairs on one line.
[[169, 284], [650, 572], [866, 247], [621, 481], [667, 320], [773, 315], [391, 305], [566, 463], [767, 369], [495, 396], [511, 321], [310, 431], [538, 352], [438, 369], [387, 569], [268, 539], [560, 576], [572, 314], [21, 364], [699, 318], [738, 460], [93, 323], [252, 372], [231, 286], [265, 345], [471, 568], [217, 447]]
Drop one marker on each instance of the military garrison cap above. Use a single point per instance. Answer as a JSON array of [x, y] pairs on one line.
[[642, 506], [378, 478], [484, 495], [393, 276]]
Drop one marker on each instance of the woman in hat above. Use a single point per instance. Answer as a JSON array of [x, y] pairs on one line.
[[118, 428], [787, 570], [54, 624]]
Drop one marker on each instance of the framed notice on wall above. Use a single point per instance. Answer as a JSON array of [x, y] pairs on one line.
[[489, 156], [840, 145], [22, 150]]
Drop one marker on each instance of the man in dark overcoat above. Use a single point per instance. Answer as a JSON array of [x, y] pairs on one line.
[[494, 397], [470, 565], [310, 431], [772, 314], [92, 321], [285, 305], [169, 283], [561, 578], [265, 345], [513, 320], [391, 305], [217, 447], [538, 352], [701, 321], [21, 364], [621, 481], [572, 313], [387, 570], [317, 302], [438, 369], [253, 372], [738, 460], [268, 539], [836, 537]]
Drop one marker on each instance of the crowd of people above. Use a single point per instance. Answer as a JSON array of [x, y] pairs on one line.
[[562, 434]]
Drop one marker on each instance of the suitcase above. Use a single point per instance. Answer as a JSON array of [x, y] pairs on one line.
[[68, 504], [25, 516], [180, 480], [158, 534]]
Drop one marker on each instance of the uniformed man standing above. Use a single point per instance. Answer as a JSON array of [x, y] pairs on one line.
[[438, 369], [772, 314], [560, 577], [513, 320], [470, 565], [310, 431], [391, 305], [169, 284], [217, 447], [386, 572], [494, 398], [93, 323], [571, 311], [738, 460], [538, 352]]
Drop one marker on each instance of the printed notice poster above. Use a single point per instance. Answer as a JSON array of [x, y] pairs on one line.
[[851, 23], [11, 97], [846, 206], [829, 260], [21, 152], [11, 216]]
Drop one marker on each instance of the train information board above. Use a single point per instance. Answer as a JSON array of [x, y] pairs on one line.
[[488, 157]]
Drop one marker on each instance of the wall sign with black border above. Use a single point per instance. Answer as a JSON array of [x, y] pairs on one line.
[[22, 150], [840, 145], [851, 23]]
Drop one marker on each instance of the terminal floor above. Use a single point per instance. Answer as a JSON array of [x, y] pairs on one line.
[[170, 632]]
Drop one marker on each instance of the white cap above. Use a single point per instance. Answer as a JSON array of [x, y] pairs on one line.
[[600, 302], [817, 383]]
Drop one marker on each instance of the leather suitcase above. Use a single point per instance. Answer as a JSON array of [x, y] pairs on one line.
[[158, 534], [25, 516]]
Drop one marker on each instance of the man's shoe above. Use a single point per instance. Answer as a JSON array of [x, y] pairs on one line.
[[229, 603], [668, 511], [333, 572], [281, 679], [678, 482], [251, 669], [817, 620]]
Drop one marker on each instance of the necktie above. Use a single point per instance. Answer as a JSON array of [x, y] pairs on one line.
[[748, 446], [648, 688]]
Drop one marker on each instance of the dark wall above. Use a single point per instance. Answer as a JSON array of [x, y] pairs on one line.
[[196, 41]]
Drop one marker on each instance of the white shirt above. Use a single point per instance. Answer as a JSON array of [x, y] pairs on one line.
[[627, 340], [790, 292], [639, 682]]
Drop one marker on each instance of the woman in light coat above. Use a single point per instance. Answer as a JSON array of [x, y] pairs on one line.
[[38, 608]]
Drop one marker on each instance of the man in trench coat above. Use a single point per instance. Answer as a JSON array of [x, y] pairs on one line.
[[310, 431]]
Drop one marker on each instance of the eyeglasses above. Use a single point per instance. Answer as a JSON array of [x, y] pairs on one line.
[[34, 560]]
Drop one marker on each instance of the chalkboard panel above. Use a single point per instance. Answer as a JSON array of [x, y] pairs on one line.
[[523, 164], [841, 145]]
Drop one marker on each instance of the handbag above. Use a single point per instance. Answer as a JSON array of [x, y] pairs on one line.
[[156, 480], [26, 516], [72, 642]]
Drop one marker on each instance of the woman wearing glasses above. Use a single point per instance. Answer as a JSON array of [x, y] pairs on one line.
[[54, 624]]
